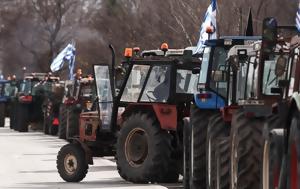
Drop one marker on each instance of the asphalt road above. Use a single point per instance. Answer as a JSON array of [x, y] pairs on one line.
[[28, 160]]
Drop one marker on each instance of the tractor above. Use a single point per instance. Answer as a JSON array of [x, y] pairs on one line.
[[79, 96], [141, 121], [281, 130], [29, 100], [53, 94], [214, 91], [7, 90], [255, 75]]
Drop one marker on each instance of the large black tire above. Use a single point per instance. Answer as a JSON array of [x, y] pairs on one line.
[[22, 117], [186, 154], [62, 122], [246, 151], [72, 121], [13, 115], [217, 128], [293, 163], [2, 114], [68, 156], [222, 161], [144, 151], [273, 153], [199, 121]]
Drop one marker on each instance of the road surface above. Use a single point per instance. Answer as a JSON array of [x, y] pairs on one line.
[[28, 160]]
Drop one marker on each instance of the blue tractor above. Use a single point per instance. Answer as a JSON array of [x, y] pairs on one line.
[[7, 90], [212, 96]]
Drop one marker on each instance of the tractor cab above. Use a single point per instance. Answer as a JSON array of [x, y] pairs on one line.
[[30, 87], [264, 69], [151, 80], [213, 84]]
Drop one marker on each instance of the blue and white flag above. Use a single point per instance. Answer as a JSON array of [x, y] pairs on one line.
[[298, 18], [209, 21], [66, 55]]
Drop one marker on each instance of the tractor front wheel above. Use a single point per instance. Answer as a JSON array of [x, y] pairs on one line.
[[144, 151], [246, 139], [71, 163]]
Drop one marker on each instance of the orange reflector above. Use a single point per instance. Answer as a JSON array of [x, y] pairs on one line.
[[164, 47], [128, 52], [209, 29], [55, 122]]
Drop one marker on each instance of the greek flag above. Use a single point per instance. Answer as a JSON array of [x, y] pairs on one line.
[[66, 55], [298, 18], [209, 21]]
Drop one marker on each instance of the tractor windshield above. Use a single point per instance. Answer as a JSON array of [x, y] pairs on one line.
[[9, 90], [218, 64], [158, 85], [274, 72], [135, 83], [25, 87]]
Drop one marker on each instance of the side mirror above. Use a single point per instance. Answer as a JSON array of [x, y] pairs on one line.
[[196, 70], [280, 66], [219, 76]]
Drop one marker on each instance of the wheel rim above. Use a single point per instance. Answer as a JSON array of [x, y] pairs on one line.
[[70, 164], [136, 147], [233, 165], [294, 167]]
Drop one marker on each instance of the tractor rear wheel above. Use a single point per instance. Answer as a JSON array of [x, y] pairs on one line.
[[246, 139], [216, 129], [293, 175], [273, 150], [186, 155], [71, 163], [199, 121], [144, 151], [2, 114], [222, 161], [62, 121], [22, 117]]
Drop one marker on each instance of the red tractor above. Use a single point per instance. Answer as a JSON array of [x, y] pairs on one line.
[[281, 152], [79, 96], [144, 121]]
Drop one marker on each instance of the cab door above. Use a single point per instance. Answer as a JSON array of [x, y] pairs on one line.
[[105, 95]]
